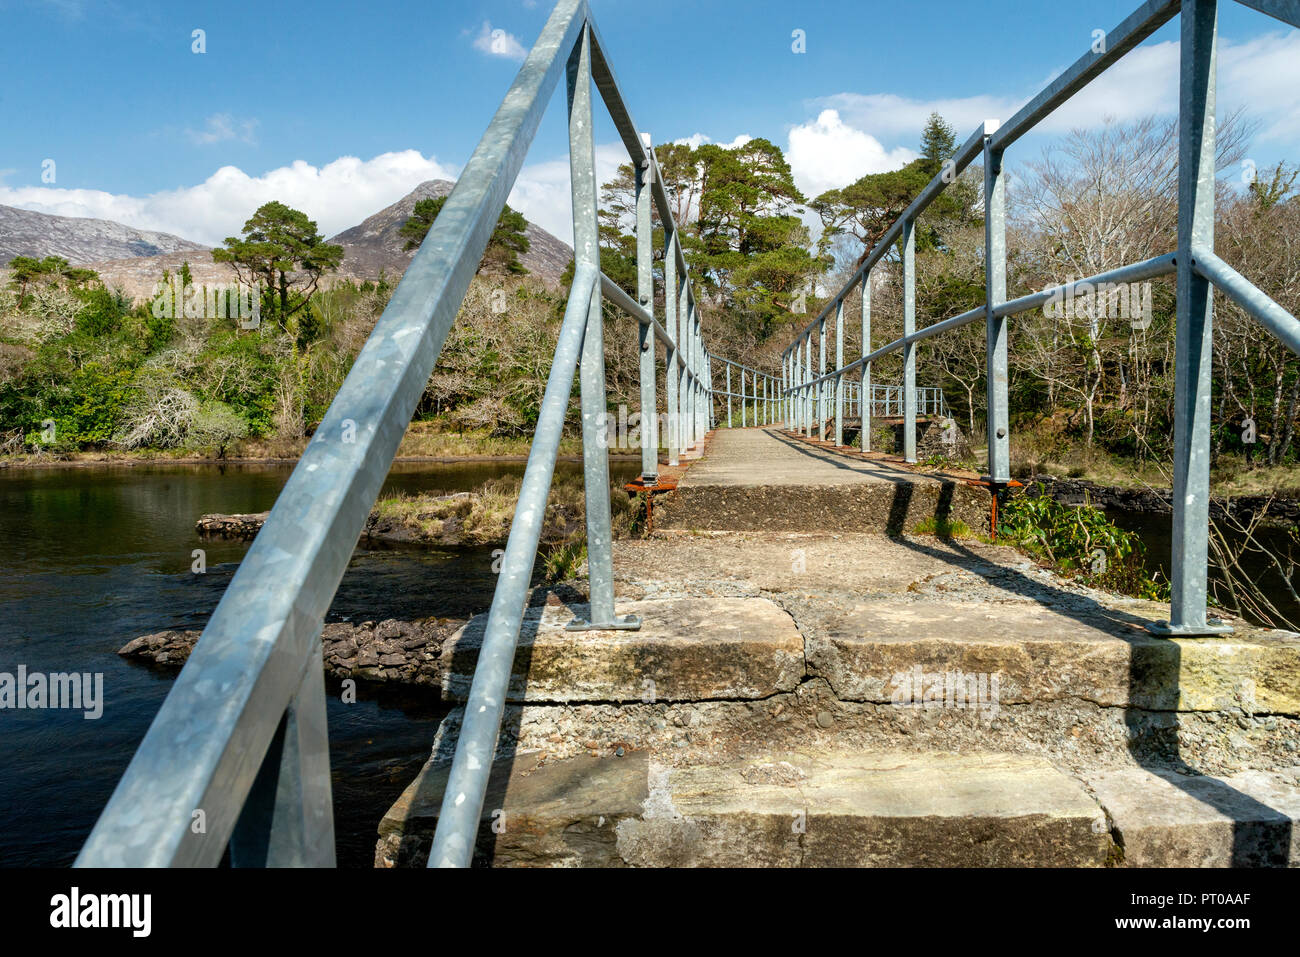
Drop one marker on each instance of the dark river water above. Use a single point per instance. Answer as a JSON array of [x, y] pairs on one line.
[[92, 557], [1157, 535]]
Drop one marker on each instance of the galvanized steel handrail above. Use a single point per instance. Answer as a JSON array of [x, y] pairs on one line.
[[807, 394]]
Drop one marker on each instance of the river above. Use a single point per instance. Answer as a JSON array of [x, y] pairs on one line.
[[92, 557]]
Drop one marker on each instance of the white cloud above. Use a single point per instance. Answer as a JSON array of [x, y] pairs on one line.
[[337, 195], [220, 127], [696, 140], [1260, 74], [1263, 74], [828, 153], [542, 192], [499, 43]]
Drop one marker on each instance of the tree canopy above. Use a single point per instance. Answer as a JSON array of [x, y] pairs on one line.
[[504, 247], [282, 251]]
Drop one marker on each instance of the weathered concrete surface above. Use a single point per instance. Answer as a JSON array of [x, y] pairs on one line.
[[561, 813], [867, 810], [1165, 819], [759, 479], [870, 651], [1074, 734], [786, 810], [686, 650]]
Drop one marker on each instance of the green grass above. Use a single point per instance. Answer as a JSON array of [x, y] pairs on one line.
[[942, 528]]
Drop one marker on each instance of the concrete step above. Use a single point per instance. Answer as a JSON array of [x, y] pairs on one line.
[[858, 809], [782, 810], [844, 503], [730, 675], [687, 649]]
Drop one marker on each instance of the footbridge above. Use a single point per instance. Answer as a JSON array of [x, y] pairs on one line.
[[786, 672]]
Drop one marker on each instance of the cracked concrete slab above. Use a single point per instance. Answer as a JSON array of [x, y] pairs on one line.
[[1166, 819], [687, 649], [785, 809], [868, 651]]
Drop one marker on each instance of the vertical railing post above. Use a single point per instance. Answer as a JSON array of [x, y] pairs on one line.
[[744, 412], [586, 246], [288, 818], [697, 399], [728, 394], [821, 386], [688, 336], [864, 385], [646, 294], [809, 411], [684, 374], [697, 376], [670, 324], [1193, 338], [839, 378], [784, 403], [995, 293], [909, 348]]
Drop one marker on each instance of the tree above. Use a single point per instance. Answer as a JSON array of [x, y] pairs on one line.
[[504, 247], [281, 250], [25, 270], [747, 242], [868, 207], [938, 143]]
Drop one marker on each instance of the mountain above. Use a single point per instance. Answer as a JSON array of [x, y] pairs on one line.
[[79, 241], [377, 243], [134, 259]]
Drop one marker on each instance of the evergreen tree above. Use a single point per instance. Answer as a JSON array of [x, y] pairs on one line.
[[938, 144], [504, 247]]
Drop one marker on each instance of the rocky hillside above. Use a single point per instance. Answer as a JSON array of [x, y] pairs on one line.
[[377, 242], [80, 241], [369, 247]]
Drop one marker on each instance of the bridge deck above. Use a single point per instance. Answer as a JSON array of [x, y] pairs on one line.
[[752, 457]]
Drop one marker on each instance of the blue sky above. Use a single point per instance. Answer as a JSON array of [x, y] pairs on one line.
[[341, 108]]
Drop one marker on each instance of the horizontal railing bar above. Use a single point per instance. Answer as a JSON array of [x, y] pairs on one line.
[[1288, 11], [206, 743], [972, 148], [607, 83], [462, 800], [737, 365], [619, 297], [1247, 295], [1135, 28], [1147, 269]]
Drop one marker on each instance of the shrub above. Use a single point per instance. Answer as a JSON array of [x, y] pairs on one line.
[[1079, 541]]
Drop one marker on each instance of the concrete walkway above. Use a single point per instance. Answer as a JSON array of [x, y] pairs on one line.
[[764, 457], [749, 479]]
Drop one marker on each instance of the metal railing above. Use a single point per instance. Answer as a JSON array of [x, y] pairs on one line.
[[809, 396], [238, 755]]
